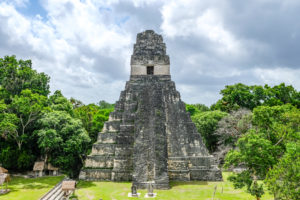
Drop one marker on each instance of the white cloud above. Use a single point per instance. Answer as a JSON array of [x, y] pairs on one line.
[[202, 20], [85, 46], [17, 3], [64, 45], [278, 75]]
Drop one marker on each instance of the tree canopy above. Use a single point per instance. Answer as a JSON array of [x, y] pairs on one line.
[[264, 149], [36, 126], [243, 96], [257, 125]]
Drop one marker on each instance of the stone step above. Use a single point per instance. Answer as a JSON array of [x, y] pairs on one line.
[[130, 106], [201, 161], [53, 197], [107, 137], [128, 117], [103, 149], [123, 164], [123, 150], [111, 126], [115, 116], [52, 191], [59, 196], [179, 175], [96, 174], [178, 164], [206, 174], [97, 161], [127, 128], [118, 175], [119, 106], [124, 139]]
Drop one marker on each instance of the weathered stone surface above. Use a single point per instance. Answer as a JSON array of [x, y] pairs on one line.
[[150, 136], [180, 175], [150, 50], [107, 138], [95, 174], [99, 161], [103, 149]]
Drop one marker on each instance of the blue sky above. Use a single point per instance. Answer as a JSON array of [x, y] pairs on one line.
[[32, 8], [85, 46]]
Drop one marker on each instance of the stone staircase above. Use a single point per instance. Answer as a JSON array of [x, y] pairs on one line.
[[111, 156], [54, 194], [150, 136]]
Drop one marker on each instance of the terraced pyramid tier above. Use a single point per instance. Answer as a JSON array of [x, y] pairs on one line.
[[150, 136]]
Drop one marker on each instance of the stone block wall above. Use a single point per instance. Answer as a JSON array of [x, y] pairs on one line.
[[150, 50], [150, 136]]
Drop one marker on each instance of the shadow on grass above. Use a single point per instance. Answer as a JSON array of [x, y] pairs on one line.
[[179, 183], [85, 184], [33, 183]]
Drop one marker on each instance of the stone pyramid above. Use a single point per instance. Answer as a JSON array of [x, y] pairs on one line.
[[150, 136]]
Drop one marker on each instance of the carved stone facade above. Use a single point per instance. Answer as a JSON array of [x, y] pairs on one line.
[[150, 136], [149, 51]]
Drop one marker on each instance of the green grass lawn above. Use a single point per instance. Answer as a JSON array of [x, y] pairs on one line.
[[33, 189], [197, 190], [29, 188]]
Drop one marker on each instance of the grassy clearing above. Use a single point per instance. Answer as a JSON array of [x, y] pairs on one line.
[[30, 188], [196, 190], [33, 189]]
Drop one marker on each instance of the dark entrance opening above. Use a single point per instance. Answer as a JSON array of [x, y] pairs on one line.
[[150, 70]]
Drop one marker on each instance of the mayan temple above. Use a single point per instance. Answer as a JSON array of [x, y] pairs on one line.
[[150, 136]]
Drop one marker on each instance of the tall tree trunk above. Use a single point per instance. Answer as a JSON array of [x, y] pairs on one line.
[[19, 145]]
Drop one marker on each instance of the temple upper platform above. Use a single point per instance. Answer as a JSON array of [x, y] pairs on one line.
[[149, 55]]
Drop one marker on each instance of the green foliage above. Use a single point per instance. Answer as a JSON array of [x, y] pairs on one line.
[[266, 143], [283, 180], [17, 75], [8, 122], [264, 150], [105, 105], [194, 109], [255, 152], [8, 157], [243, 96], [13, 158], [99, 119], [230, 129], [239, 95], [64, 141], [281, 94], [23, 98], [61, 137], [93, 118], [60, 103], [16, 117], [256, 189], [28, 107], [207, 123], [232, 126], [244, 179], [25, 160], [257, 155], [76, 103]]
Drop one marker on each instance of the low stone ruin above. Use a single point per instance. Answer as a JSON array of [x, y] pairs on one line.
[[41, 168]]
